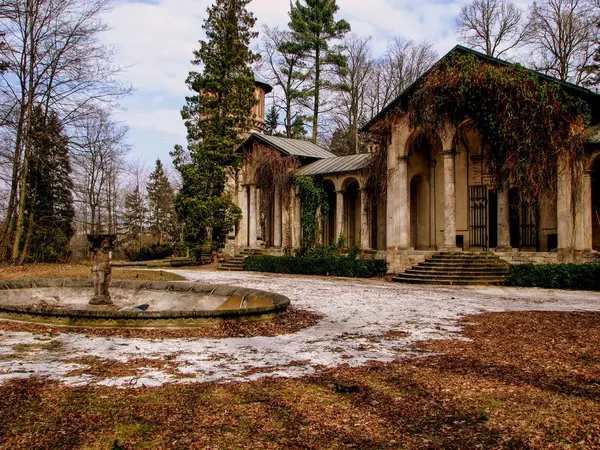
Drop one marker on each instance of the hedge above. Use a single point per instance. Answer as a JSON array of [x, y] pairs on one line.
[[154, 251], [339, 267], [557, 276]]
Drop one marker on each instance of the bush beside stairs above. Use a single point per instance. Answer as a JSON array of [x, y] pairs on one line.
[[457, 269], [235, 264]]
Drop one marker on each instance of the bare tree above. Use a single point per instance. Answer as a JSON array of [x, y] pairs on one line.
[[404, 63], [352, 85], [98, 151], [492, 26], [54, 60], [284, 64], [563, 35]]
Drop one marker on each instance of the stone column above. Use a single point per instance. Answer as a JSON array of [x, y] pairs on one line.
[[564, 206], [403, 217], [243, 202], [392, 203], [252, 217], [277, 240], [583, 213], [449, 202], [432, 207], [503, 221], [365, 235], [339, 214], [297, 221]]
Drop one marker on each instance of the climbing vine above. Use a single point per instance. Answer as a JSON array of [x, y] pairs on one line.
[[376, 172], [314, 204], [273, 171], [526, 122]]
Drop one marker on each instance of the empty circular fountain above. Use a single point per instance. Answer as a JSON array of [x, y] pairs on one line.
[[66, 302]]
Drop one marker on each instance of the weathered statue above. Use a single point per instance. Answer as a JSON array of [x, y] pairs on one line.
[[101, 246]]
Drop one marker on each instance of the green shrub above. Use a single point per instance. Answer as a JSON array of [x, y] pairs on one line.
[[154, 251], [556, 276], [339, 267]]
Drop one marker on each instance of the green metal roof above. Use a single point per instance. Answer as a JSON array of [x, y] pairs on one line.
[[575, 89], [339, 164], [293, 147]]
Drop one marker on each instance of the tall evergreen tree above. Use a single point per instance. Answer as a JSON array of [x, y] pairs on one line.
[[314, 27], [160, 201], [217, 116], [271, 121], [49, 194], [135, 215]]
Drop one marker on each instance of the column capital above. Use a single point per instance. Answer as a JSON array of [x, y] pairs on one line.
[[403, 159], [449, 153], [587, 173], [340, 191]]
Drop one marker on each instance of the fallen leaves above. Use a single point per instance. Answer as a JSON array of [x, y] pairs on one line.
[[523, 380]]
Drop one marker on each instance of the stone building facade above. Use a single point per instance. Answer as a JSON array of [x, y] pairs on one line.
[[439, 198]]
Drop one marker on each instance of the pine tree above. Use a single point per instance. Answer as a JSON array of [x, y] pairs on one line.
[[271, 121], [50, 209], [135, 215], [217, 116], [160, 201], [314, 27]]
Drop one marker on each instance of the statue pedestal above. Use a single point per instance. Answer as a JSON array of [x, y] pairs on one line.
[[101, 246]]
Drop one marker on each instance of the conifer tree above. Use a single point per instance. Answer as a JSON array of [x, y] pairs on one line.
[[50, 209], [135, 215], [314, 27], [271, 121], [217, 115], [160, 201]]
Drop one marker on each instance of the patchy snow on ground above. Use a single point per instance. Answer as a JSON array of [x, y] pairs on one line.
[[364, 320]]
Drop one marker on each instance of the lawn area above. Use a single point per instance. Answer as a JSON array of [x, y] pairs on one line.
[[31, 271], [523, 380]]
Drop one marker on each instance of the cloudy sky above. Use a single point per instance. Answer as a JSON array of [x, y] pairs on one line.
[[154, 40]]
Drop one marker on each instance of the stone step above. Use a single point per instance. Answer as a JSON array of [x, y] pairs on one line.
[[468, 277], [230, 269], [483, 266], [446, 271], [466, 260], [457, 282]]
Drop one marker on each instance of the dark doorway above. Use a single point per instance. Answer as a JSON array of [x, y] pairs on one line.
[[523, 222], [514, 222], [596, 204], [329, 221], [478, 216], [493, 218]]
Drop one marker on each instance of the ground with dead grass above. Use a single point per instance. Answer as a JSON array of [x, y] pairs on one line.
[[40, 271], [524, 380]]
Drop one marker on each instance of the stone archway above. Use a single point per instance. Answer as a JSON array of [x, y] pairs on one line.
[[595, 173], [351, 225], [329, 236], [419, 213]]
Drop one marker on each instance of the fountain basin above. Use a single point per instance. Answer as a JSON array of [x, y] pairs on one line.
[[65, 302]]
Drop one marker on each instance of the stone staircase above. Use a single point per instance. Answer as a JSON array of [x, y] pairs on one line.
[[235, 264], [457, 269]]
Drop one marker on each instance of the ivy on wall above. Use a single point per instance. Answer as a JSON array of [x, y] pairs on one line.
[[314, 204], [526, 122]]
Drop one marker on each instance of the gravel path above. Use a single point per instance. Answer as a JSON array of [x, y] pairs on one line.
[[364, 320]]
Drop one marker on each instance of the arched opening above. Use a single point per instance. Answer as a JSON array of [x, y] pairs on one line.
[[596, 203], [419, 213], [425, 197], [329, 220], [351, 228]]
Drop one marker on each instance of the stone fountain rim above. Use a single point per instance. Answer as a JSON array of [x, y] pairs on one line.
[[280, 302]]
